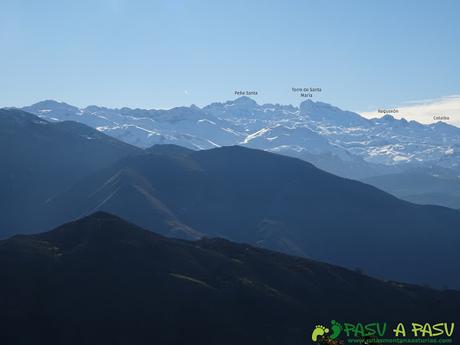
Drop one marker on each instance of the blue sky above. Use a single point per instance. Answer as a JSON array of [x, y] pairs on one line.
[[159, 54]]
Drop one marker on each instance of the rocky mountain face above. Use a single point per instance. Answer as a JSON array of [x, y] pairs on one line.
[[314, 131]]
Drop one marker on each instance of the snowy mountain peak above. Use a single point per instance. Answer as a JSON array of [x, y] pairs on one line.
[[324, 112], [52, 105], [45, 108], [313, 128], [388, 118], [245, 101]]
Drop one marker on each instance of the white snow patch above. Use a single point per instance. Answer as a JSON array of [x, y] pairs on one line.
[[212, 143], [400, 158], [206, 120], [256, 135]]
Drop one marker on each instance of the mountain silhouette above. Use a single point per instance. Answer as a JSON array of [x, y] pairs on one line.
[[102, 280], [275, 202], [341, 142], [38, 159]]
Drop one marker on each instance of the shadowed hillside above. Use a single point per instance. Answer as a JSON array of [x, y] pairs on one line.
[[274, 202], [101, 280]]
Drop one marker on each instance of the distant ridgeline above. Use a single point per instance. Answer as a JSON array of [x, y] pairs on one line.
[[54, 172], [341, 142], [369, 146]]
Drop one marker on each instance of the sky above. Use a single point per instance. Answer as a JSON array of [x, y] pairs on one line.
[[364, 55]]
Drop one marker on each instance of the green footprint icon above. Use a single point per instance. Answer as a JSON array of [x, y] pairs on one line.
[[336, 329], [318, 331]]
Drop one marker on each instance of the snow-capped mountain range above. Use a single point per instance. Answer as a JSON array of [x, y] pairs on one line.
[[339, 141]]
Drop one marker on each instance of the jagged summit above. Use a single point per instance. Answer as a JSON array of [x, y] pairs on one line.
[[385, 145]]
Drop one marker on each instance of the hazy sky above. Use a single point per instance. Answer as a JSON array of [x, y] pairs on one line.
[[363, 54]]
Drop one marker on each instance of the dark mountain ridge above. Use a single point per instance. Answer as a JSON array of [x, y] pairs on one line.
[[274, 202], [40, 159], [103, 280], [55, 172]]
